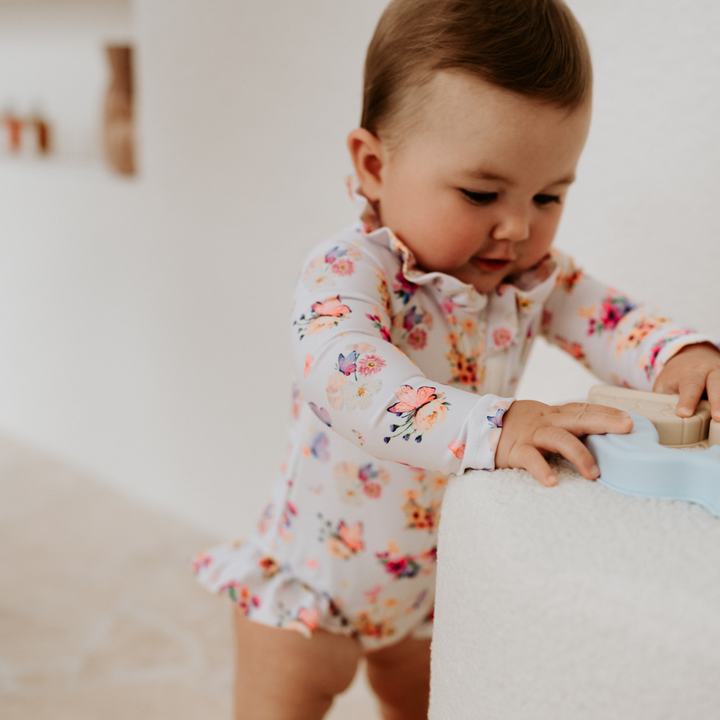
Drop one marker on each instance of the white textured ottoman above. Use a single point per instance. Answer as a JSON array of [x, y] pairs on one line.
[[574, 603]]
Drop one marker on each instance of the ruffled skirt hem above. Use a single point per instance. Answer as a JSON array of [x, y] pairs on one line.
[[267, 592]]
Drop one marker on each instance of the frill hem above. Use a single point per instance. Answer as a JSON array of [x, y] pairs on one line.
[[266, 591]]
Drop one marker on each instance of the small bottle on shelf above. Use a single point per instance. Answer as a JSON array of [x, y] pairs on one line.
[[24, 135], [39, 129], [12, 126], [42, 130]]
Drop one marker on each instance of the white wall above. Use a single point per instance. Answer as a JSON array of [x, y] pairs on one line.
[[144, 323], [51, 61], [245, 107]]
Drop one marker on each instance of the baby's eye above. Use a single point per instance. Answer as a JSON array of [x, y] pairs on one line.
[[546, 199], [480, 198]]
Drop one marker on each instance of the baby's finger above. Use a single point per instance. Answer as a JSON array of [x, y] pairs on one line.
[[580, 419], [561, 441], [533, 461], [691, 390], [592, 407], [713, 391], [665, 384]]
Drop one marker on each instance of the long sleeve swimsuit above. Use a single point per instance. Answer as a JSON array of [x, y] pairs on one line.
[[402, 378]]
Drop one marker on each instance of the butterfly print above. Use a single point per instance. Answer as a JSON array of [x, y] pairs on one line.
[[320, 446], [496, 420], [322, 413], [411, 400], [331, 307], [420, 411], [347, 365]]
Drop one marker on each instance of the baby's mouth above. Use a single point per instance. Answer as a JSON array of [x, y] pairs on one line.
[[492, 265]]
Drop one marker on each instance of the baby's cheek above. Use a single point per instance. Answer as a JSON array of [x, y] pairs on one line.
[[538, 246], [435, 254], [454, 250]]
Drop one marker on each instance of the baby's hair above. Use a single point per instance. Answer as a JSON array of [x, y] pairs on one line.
[[532, 47]]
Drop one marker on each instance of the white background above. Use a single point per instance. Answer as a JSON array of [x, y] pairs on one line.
[[144, 322]]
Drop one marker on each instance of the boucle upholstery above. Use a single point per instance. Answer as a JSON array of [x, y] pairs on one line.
[[574, 603]]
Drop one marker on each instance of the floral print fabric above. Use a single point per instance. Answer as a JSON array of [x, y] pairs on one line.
[[402, 378]]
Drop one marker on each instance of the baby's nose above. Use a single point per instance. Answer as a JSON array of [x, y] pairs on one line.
[[513, 227]]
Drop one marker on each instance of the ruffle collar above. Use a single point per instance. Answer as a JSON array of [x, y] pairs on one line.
[[523, 291]]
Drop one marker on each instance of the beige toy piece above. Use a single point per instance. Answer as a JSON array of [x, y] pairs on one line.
[[696, 432]]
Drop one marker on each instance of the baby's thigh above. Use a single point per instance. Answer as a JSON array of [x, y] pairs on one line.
[[281, 674], [400, 676]]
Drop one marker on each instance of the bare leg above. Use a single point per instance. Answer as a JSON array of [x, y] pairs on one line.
[[281, 675], [400, 676]]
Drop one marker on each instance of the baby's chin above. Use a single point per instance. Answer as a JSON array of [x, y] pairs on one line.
[[483, 282]]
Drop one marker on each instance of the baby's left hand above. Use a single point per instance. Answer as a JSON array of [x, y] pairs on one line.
[[693, 370]]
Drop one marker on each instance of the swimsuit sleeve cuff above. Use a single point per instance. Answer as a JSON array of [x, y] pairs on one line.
[[484, 430], [673, 348]]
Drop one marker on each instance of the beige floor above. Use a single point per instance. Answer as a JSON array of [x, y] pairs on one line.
[[99, 615]]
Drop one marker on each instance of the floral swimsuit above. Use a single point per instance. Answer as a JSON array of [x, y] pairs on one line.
[[403, 377]]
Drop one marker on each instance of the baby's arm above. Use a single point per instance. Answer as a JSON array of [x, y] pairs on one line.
[[623, 344], [364, 387]]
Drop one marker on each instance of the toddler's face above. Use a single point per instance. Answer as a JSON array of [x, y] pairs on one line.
[[477, 188]]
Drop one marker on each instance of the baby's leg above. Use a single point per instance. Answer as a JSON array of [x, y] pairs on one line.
[[400, 676], [281, 674]]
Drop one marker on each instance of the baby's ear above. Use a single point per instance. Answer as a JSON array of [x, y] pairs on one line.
[[368, 157]]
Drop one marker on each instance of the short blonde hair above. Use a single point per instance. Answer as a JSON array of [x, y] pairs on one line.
[[532, 47]]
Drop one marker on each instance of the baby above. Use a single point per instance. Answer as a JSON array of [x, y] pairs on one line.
[[410, 331]]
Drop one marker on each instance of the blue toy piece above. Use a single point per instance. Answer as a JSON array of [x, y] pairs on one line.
[[637, 464]]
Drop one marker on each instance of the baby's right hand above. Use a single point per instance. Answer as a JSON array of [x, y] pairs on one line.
[[532, 429]]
